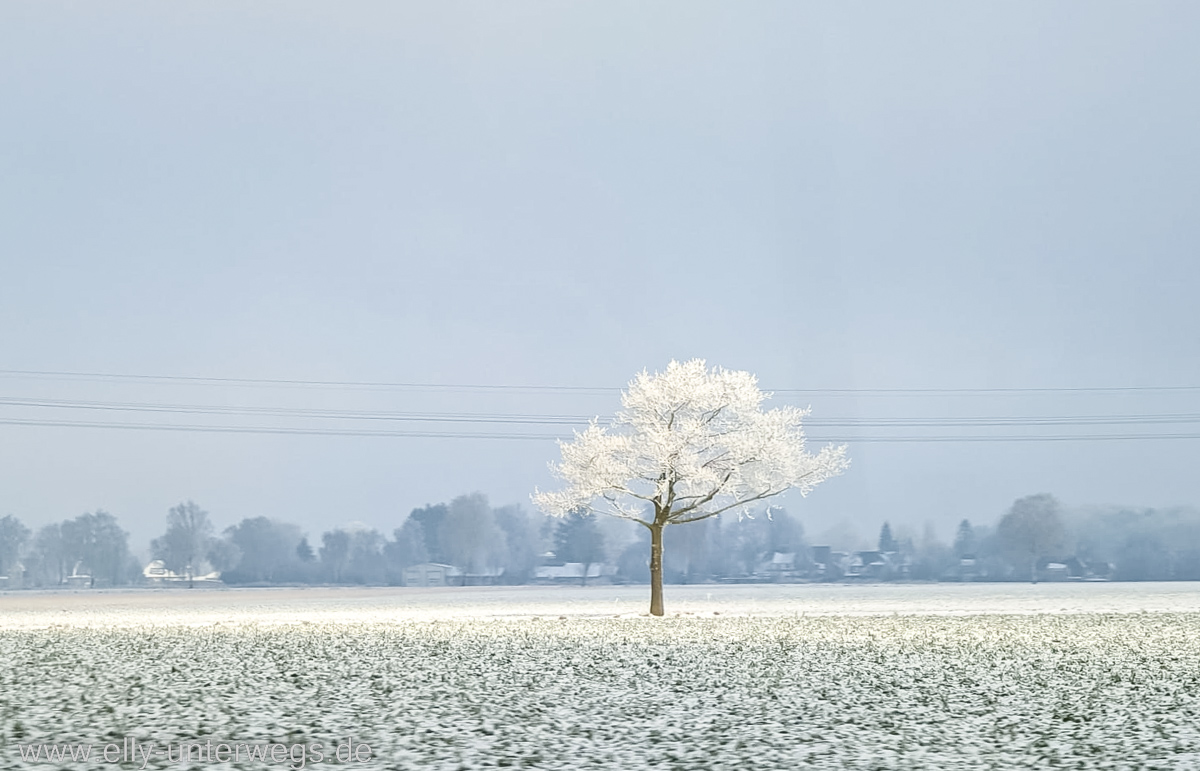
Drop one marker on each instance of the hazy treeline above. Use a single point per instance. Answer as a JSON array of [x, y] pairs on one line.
[[1115, 543], [508, 544], [93, 540]]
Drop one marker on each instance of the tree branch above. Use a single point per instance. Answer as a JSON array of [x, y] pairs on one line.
[[707, 497], [741, 502]]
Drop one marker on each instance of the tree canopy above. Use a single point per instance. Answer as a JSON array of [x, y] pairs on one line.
[[689, 444], [187, 540]]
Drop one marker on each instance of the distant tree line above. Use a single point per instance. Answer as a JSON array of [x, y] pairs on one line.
[[1037, 540], [91, 547], [1034, 540]]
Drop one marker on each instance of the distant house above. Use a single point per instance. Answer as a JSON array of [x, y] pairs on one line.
[[827, 564], [966, 569], [572, 571], [432, 574], [79, 580], [15, 578], [783, 566], [781, 562], [1069, 569], [157, 574], [1053, 571], [877, 565], [486, 577]]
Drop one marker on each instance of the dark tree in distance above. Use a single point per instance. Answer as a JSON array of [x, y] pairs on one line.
[[110, 549], [13, 536], [223, 554], [685, 552], [747, 542], [406, 549], [304, 551], [887, 542], [470, 537], [49, 556], [186, 541], [335, 553], [430, 518], [522, 534], [1032, 529], [365, 564], [578, 539], [964, 540], [268, 550], [97, 542]]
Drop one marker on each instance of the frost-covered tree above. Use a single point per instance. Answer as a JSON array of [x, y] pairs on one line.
[[689, 444]]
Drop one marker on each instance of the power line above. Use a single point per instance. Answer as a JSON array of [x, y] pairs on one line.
[[274, 430], [982, 422], [283, 382], [550, 437], [238, 381], [983, 391], [528, 419], [192, 409], [571, 420]]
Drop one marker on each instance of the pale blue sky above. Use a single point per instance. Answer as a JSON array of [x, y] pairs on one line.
[[839, 195]]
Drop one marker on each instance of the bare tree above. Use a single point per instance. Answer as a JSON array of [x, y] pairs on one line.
[[1032, 529], [470, 537], [264, 551], [13, 536], [335, 553], [689, 444], [186, 542], [97, 542], [407, 548], [50, 555]]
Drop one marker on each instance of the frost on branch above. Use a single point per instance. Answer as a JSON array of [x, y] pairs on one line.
[[688, 444]]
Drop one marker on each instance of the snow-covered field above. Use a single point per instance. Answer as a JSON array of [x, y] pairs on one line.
[[871, 677]]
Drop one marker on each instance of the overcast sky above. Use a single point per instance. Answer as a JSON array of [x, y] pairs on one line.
[[832, 196]]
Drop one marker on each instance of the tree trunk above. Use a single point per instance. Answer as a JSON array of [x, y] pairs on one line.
[[1033, 570], [583, 581], [656, 569]]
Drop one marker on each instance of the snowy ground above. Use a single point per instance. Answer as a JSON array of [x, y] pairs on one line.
[[870, 677]]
